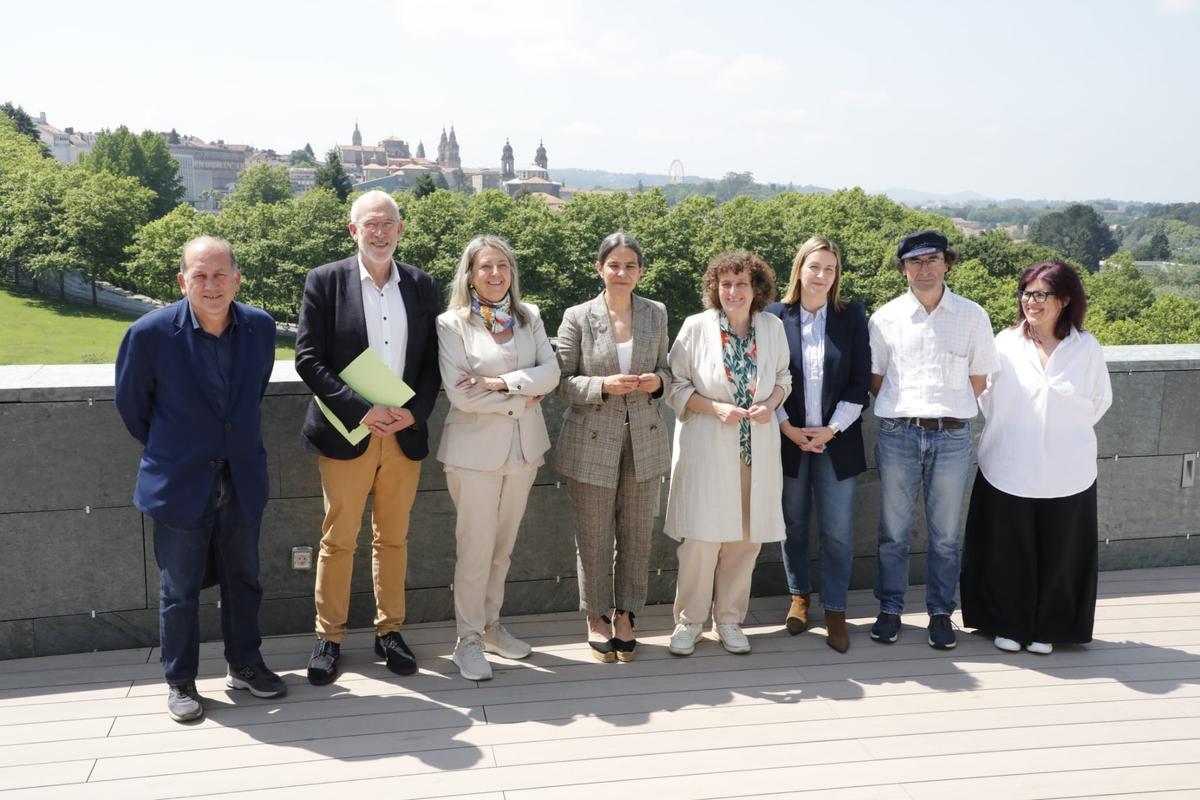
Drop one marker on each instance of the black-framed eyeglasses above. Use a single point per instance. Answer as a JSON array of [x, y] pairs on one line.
[[1034, 297]]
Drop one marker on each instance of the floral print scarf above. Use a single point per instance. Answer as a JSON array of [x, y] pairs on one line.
[[740, 354], [497, 317]]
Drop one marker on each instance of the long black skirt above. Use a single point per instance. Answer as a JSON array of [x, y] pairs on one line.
[[1029, 565]]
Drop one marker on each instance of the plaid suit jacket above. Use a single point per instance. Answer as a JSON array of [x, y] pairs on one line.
[[593, 430]]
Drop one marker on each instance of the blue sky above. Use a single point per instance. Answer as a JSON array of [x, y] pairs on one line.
[[1059, 100]]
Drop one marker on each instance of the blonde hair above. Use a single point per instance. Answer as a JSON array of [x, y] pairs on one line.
[[460, 284], [816, 244]]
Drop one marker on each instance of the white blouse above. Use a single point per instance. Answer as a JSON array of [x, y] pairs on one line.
[[625, 356], [1039, 438]]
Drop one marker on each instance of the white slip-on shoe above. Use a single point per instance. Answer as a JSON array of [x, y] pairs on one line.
[[498, 640], [1007, 645], [683, 639], [1041, 648], [468, 656], [732, 638]]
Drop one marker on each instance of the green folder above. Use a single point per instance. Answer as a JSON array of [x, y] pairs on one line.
[[376, 382]]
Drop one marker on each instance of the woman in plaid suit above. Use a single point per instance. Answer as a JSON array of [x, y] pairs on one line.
[[613, 448]]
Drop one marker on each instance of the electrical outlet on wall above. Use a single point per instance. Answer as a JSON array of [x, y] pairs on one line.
[[302, 558]]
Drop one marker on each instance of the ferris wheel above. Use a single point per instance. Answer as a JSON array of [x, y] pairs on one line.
[[675, 172]]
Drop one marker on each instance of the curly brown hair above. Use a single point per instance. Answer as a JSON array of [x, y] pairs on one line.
[[762, 278]]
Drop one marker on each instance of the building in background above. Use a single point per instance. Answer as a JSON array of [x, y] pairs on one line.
[[66, 145]]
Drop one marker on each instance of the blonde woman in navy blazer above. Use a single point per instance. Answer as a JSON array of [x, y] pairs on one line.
[[821, 442], [496, 365]]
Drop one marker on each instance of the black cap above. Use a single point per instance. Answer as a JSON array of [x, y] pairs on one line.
[[920, 244]]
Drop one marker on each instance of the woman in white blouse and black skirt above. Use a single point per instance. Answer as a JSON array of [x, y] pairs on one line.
[[1030, 555]]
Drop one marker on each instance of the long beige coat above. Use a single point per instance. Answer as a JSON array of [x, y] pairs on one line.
[[593, 432], [478, 433], [705, 500]]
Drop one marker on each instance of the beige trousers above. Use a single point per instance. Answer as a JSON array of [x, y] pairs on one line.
[[490, 507], [715, 577], [392, 476]]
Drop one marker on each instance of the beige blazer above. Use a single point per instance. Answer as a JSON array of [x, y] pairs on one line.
[[478, 432], [593, 431], [705, 499]]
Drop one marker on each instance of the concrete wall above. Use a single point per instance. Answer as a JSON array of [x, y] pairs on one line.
[[77, 568]]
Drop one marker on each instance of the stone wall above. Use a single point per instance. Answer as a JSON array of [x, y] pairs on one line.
[[78, 573]]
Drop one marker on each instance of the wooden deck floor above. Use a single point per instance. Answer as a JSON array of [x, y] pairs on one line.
[[1119, 718]]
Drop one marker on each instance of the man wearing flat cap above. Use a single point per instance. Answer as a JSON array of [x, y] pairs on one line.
[[931, 353]]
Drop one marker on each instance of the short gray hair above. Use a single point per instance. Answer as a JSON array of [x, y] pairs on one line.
[[207, 241], [460, 289], [370, 197]]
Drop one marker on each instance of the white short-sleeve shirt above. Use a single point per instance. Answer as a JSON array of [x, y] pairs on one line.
[[1039, 437], [926, 358]]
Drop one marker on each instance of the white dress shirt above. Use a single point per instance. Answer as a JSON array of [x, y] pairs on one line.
[[812, 339], [1038, 438], [384, 313], [925, 358]]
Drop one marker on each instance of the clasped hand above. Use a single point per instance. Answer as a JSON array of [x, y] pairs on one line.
[[624, 384], [383, 421], [811, 440], [730, 414]]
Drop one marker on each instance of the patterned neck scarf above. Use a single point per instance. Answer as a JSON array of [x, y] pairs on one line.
[[497, 317], [740, 354]]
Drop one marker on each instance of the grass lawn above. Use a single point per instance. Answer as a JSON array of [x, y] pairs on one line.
[[39, 330]]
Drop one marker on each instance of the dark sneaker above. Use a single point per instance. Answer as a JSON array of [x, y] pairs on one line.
[[400, 659], [259, 680], [323, 663], [886, 628], [941, 632], [184, 703]]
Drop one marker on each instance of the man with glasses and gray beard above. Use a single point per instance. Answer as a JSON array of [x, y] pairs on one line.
[[368, 299]]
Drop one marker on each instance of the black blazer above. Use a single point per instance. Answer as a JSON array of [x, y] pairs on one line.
[[333, 333], [846, 376]]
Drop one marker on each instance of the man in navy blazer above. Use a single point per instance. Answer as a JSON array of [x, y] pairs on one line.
[[190, 379], [366, 300]]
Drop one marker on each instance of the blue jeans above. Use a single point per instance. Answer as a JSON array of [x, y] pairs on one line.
[[939, 461], [816, 481], [181, 550]]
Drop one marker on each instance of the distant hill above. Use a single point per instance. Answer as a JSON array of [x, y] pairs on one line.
[[916, 197], [600, 179]]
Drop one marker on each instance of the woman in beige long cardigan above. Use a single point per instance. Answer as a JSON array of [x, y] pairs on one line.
[[729, 368]]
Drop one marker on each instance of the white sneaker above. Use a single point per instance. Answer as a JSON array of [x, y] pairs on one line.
[[498, 640], [468, 655], [683, 639], [731, 637], [1008, 645], [1041, 648]]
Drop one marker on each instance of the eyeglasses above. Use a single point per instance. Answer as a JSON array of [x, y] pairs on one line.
[[924, 262], [1034, 297]]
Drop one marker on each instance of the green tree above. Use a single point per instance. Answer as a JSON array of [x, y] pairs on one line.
[[424, 187], [173, 137], [153, 256], [1078, 232], [1117, 292], [303, 157], [332, 176], [261, 183], [1157, 249], [101, 214], [145, 158], [24, 125]]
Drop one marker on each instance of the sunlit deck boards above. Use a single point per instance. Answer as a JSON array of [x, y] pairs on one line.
[[1118, 718]]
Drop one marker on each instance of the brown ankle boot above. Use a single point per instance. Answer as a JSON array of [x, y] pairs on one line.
[[797, 616], [836, 634]]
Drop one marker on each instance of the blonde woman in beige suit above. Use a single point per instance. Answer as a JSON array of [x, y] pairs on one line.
[[613, 448], [496, 365]]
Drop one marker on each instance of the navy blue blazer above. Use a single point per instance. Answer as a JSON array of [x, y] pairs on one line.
[[177, 417], [846, 376], [333, 332]]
